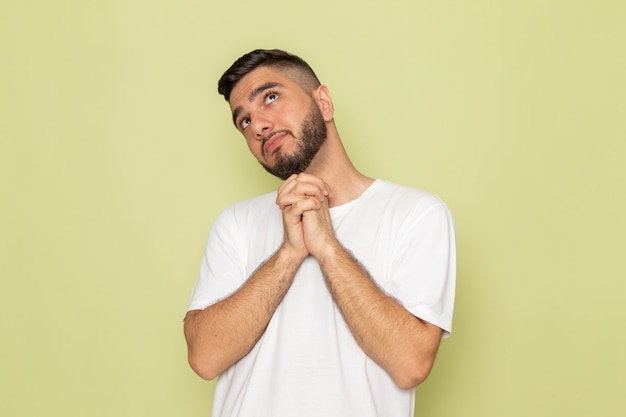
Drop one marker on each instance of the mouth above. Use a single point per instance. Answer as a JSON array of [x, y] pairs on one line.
[[272, 143]]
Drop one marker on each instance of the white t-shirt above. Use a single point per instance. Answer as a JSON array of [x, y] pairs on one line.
[[307, 362]]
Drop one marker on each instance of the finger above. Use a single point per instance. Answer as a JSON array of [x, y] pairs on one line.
[[290, 193], [301, 206], [304, 178], [286, 188], [314, 180], [309, 190]]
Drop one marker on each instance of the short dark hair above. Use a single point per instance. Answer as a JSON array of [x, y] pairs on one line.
[[274, 58]]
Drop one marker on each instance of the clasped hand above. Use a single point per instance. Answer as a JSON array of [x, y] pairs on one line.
[[303, 199]]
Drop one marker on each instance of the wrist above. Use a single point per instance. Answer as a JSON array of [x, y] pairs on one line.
[[331, 252], [290, 255]]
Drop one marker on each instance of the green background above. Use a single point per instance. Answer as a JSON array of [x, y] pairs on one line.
[[116, 154]]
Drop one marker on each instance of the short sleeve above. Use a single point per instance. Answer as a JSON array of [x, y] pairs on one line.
[[423, 272], [222, 270]]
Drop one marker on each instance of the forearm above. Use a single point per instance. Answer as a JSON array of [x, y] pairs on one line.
[[400, 343], [223, 333]]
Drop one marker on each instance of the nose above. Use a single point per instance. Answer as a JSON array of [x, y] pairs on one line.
[[261, 124]]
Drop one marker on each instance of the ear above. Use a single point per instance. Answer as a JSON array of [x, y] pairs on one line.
[[324, 102]]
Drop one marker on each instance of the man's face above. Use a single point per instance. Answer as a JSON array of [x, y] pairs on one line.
[[282, 124]]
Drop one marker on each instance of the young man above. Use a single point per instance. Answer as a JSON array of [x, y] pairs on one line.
[[330, 296]]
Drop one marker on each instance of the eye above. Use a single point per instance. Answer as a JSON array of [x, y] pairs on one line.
[[271, 97], [244, 123]]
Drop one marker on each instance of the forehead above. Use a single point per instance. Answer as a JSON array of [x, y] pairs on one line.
[[247, 88]]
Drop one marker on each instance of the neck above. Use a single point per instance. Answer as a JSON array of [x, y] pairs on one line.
[[333, 165]]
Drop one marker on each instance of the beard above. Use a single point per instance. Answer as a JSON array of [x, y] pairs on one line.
[[314, 134]]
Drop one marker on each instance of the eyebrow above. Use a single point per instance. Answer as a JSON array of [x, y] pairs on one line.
[[254, 94]]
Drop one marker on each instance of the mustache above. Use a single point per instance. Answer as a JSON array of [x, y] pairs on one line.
[[267, 137], [275, 132]]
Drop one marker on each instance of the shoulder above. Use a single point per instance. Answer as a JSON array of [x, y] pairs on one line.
[[403, 196], [261, 202], [254, 209]]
